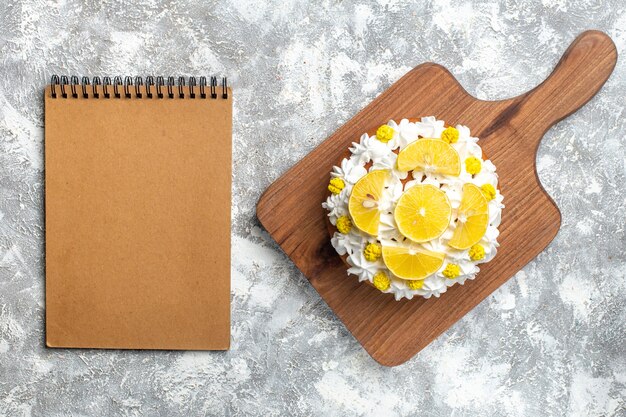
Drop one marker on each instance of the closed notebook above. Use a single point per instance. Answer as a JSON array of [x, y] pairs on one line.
[[137, 200]]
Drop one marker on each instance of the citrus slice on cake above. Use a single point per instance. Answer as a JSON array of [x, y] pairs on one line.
[[472, 218], [364, 201], [430, 155], [411, 263], [423, 213]]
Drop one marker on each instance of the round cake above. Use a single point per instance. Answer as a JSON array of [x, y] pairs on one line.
[[415, 208]]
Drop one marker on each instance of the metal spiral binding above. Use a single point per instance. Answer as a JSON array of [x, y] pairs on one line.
[[170, 87], [106, 82], [73, 84], [160, 82], [96, 82], [85, 83], [192, 85], [181, 84], [202, 85], [128, 81], [60, 84], [117, 81], [213, 87]]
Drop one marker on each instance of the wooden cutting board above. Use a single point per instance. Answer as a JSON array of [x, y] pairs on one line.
[[509, 131]]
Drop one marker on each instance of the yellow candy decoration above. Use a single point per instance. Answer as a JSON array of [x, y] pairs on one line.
[[384, 133], [473, 165], [476, 253], [381, 281], [336, 185], [450, 135], [372, 252], [344, 224], [489, 191], [451, 271], [415, 285]]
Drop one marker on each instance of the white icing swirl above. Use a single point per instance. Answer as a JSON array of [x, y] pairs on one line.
[[369, 150]]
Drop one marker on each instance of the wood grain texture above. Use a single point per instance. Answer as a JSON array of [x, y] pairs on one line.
[[509, 131]]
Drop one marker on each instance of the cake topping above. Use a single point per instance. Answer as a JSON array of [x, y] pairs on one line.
[[372, 252], [364, 201], [477, 253], [450, 135], [381, 281], [473, 165], [411, 262], [423, 213], [472, 218], [344, 224], [415, 284], [451, 271], [489, 191], [384, 133], [336, 185], [431, 156], [423, 219]]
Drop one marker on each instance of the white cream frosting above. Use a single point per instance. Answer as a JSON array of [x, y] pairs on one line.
[[381, 155]]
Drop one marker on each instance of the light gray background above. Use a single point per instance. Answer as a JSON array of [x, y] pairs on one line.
[[549, 342]]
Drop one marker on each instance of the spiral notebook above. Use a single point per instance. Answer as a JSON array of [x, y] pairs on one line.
[[137, 200]]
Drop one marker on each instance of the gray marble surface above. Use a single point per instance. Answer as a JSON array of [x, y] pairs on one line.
[[549, 342]]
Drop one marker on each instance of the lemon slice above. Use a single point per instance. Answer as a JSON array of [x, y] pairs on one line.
[[364, 201], [411, 263], [473, 218], [430, 155], [423, 213]]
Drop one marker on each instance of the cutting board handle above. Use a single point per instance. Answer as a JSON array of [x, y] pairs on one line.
[[581, 72]]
